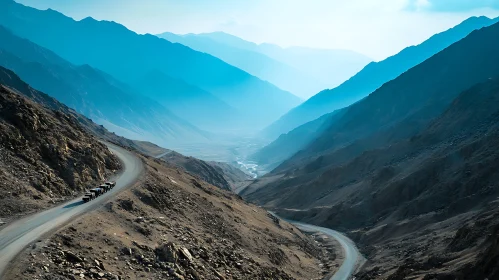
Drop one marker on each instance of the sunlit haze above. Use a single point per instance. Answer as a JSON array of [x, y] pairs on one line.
[[375, 28]]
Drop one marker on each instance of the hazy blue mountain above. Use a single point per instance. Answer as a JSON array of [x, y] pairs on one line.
[[372, 77], [94, 94], [193, 104], [398, 111], [128, 56], [253, 62], [330, 67]]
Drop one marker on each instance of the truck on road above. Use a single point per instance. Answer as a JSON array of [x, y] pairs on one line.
[[96, 192], [88, 196]]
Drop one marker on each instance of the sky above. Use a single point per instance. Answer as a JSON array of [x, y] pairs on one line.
[[376, 28]]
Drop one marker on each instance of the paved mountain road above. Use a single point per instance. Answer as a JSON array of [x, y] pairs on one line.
[[16, 236], [353, 258]]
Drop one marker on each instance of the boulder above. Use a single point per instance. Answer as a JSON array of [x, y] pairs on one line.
[[167, 252]]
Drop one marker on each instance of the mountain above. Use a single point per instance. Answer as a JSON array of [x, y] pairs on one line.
[[401, 108], [372, 77], [47, 158], [218, 174], [128, 56], [329, 67], [45, 154], [193, 104], [410, 168], [94, 94], [253, 62], [284, 147]]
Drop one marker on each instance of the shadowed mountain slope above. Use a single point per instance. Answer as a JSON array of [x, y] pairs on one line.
[[411, 168], [372, 77]]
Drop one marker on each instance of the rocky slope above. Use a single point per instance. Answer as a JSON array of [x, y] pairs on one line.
[[417, 191], [372, 77], [174, 226], [218, 174], [46, 156]]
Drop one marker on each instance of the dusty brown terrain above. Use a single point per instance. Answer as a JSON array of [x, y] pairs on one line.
[[218, 174], [174, 226], [46, 156], [419, 194], [463, 247]]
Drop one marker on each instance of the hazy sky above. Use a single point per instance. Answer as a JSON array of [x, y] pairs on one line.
[[377, 28]]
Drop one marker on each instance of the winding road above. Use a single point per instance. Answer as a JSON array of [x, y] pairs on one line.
[[18, 235], [353, 258]]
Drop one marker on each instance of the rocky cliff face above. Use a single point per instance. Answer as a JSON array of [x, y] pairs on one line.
[[45, 154]]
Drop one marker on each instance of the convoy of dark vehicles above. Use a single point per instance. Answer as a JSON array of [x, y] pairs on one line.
[[96, 192]]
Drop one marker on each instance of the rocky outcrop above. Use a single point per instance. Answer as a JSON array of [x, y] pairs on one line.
[[46, 156]]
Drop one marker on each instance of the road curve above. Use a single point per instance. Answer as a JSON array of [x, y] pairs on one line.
[[18, 235], [353, 258]]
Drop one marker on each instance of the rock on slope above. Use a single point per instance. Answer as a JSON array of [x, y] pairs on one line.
[[45, 154], [173, 226]]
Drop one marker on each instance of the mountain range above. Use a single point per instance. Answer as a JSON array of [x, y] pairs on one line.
[[289, 69], [131, 58], [82, 88], [331, 67], [409, 167], [373, 76]]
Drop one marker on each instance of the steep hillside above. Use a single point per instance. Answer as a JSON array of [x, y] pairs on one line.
[[400, 108], [171, 225], [46, 156], [290, 143], [329, 67], [372, 77], [435, 193], [253, 62], [128, 56], [217, 174], [94, 94], [414, 183]]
